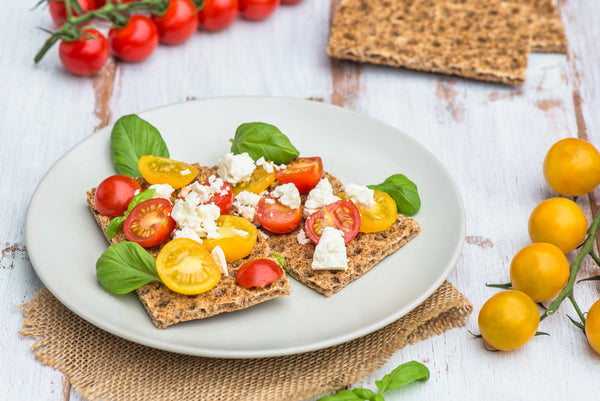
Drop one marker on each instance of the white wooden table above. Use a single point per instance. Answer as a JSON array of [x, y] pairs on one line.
[[491, 138]]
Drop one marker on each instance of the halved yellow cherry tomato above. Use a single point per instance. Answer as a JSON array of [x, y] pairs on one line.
[[592, 326], [258, 182], [185, 266], [558, 221], [161, 170], [237, 237], [378, 217]]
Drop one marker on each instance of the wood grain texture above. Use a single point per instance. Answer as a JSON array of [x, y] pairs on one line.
[[491, 138]]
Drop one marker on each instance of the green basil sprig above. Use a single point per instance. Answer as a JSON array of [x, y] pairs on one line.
[[399, 377], [131, 138], [403, 191], [124, 267], [263, 140], [117, 222]]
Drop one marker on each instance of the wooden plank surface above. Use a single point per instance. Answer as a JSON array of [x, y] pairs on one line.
[[491, 138]]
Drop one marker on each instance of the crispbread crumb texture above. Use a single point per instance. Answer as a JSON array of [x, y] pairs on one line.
[[484, 40]]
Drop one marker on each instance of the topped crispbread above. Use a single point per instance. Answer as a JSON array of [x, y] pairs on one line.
[[166, 307]]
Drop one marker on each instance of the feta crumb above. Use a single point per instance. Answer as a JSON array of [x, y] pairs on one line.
[[302, 238], [199, 218], [219, 257], [263, 234], [288, 195], [245, 203], [185, 172], [267, 165], [205, 192], [360, 195], [236, 168], [187, 233], [162, 190], [241, 233], [330, 252], [320, 196]]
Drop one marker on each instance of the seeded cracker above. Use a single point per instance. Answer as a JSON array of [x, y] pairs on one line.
[[166, 307], [483, 40], [548, 33]]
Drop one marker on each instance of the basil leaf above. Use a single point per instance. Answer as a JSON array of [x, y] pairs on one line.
[[114, 225], [125, 266], [344, 395], [364, 393], [131, 138], [403, 375], [263, 140], [403, 191], [117, 222], [280, 260]]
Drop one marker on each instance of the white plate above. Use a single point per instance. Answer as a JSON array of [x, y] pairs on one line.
[[64, 242]]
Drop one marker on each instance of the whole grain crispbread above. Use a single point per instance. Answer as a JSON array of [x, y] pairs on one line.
[[483, 40], [166, 307], [548, 34]]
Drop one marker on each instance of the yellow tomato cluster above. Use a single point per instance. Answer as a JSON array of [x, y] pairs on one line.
[[539, 271]]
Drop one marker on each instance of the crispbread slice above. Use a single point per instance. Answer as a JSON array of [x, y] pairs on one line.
[[484, 40], [548, 33], [364, 252], [166, 307]]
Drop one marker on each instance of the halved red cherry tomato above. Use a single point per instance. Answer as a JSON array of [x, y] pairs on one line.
[[114, 194], [218, 14], [136, 41], [342, 215], [237, 237], [186, 267], [223, 200], [178, 23], [304, 172], [277, 217], [149, 223], [161, 170], [258, 273], [380, 216], [258, 182], [85, 56], [58, 10], [257, 9]]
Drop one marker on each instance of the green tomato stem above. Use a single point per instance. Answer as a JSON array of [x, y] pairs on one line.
[[586, 249]]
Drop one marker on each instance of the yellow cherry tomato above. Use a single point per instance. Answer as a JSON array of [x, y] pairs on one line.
[[258, 182], [592, 326], [572, 167], [558, 221], [508, 320], [185, 266], [237, 237], [378, 217], [540, 270], [161, 170]]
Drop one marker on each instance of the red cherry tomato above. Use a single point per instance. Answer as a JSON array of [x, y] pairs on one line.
[[136, 41], [218, 14], [149, 223], [258, 273], [178, 23], [276, 217], [257, 9], [223, 201], [114, 194], [85, 56], [58, 10], [342, 215], [304, 172]]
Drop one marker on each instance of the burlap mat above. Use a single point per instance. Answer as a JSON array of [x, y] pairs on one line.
[[101, 366]]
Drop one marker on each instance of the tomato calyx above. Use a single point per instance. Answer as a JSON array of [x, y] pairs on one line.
[[342, 215]]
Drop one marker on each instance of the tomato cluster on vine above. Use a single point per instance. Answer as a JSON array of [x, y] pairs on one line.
[[136, 27], [540, 272]]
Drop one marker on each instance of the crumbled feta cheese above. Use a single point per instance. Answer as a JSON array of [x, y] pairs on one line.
[[270, 201], [268, 166], [241, 233], [219, 257], [320, 196], [187, 233], [302, 238], [288, 195], [245, 203], [199, 218], [360, 195], [236, 168], [205, 192], [162, 190], [330, 252], [263, 234], [185, 172]]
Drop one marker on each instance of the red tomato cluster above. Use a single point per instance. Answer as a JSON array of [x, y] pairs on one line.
[[138, 39]]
